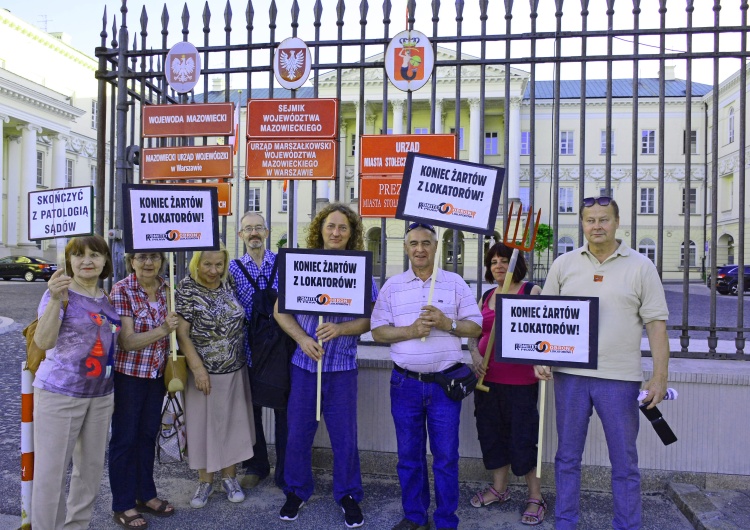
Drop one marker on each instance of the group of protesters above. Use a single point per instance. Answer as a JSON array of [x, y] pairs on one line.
[[106, 357]]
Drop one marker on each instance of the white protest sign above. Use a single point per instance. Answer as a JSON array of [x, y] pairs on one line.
[[548, 330], [450, 193], [170, 218], [325, 282], [62, 212]]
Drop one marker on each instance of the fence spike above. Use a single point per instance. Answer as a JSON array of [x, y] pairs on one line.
[[534, 7], [690, 8], [610, 6], [272, 12], [249, 14], [636, 7], [317, 12], [459, 10], [411, 7], [144, 21], [185, 20], [206, 16], [436, 10], [164, 20], [227, 17], [295, 14], [508, 8], [114, 31], [340, 9], [558, 8], [662, 7], [387, 11], [103, 33], [363, 8]]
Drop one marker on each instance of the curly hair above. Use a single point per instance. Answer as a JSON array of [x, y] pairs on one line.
[[498, 249], [315, 231]]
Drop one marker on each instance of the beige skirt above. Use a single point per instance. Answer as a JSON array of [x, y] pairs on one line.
[[220, 427]]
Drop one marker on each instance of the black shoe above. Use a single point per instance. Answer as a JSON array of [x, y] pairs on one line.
[[290, 510], [352, 513], [406, 524]]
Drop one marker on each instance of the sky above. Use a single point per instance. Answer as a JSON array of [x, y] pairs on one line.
[[82, 20]]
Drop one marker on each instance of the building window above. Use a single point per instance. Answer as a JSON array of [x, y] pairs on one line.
[[603, 142], [648, 142], [39, 168], [604, 192], [731, 125], [648, 249], [68, 173], [94, 114], [726, 193], [523, 194], [388, 131], [565, 200], [567, 143], [92, 179], [354, 145], [564, 244], [691, 255], [253, 200], [284, 201], [421, 130], [693, 142], [648, 196], [460, 137], [693, 200], [490, 143], [525, 143], [351, 194]]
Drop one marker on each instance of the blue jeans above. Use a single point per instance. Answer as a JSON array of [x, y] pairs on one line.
[[339, 409], [418, 409], [617, 406], [132, 448], [259, 463]]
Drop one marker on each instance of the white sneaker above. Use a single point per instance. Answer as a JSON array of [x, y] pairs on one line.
[[233, 489], [204, 491]]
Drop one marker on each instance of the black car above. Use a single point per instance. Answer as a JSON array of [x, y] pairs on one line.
[[26, 267], [726, 281]]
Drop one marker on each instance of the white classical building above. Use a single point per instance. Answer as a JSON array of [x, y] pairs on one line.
[[47, 124]]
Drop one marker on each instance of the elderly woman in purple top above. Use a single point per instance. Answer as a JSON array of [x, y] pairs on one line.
[[335, 227], [73, 398]]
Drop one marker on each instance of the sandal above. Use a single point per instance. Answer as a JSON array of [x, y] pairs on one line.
[[126, 520], [489, 496], [163, 510], [537, 516]]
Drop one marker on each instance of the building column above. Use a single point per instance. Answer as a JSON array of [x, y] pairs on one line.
[[438, 116], [14, 190], [513, 173], [28, 174], [3, 120], [475, 143], [398, 116], [59, 142]]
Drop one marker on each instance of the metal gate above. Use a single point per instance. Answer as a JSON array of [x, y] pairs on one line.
[[561, 98]]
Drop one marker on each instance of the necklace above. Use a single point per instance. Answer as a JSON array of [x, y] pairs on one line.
[[86, 289]]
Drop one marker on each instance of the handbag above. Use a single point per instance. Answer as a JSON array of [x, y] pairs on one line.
[[172, 440], [176, 369], [458, 383], [34, 354]]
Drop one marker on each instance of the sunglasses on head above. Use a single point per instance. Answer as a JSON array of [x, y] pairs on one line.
[[588, 202], [420, 225]]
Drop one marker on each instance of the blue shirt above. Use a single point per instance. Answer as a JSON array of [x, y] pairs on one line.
[[245, 289], [340, 353]]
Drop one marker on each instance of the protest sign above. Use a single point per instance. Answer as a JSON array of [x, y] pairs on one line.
[[548, 330], [325, 282], [62, 212], [450, 193], [170, 218]]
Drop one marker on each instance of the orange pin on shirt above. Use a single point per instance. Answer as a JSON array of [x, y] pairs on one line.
[[598, 278]]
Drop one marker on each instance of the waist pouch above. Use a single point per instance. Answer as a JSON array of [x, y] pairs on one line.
[[458, 383]]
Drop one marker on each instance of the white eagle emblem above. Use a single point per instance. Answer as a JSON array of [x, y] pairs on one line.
[[182, 69], [292, 62]]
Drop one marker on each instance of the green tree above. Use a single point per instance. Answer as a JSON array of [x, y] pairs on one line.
[[544, 240]]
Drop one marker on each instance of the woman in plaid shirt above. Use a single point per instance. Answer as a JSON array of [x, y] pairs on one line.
[[141, 301]]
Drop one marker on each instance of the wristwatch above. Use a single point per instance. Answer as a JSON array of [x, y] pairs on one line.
[[454, 325]]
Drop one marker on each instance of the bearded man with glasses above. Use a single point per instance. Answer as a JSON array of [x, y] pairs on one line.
[[631, 296]]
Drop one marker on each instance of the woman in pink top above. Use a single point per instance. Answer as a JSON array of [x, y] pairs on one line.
[[507, 416]]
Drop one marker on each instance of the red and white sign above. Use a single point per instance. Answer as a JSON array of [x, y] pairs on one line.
[[378, 196], [291, 63], [223, 189], [385, 154], [199, 162], [291, 159], [409, 60], [292, 118], [198, 119]]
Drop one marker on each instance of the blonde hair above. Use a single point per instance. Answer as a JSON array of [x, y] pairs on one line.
[[198, 256]]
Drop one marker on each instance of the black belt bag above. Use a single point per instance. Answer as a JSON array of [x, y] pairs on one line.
[[457, 382]]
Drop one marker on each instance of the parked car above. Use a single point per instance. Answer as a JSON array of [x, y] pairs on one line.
[[726, 282], [26, 267], [720, 273]]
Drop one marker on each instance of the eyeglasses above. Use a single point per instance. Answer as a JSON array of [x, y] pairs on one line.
[[251, 229], [588, 202], [141, 258], [420, 225]]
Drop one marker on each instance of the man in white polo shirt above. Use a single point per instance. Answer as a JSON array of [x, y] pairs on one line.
[[401, 317], [630, 296]]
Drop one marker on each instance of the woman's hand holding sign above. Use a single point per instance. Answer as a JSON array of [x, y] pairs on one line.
[[543, 372], [58, 285]]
